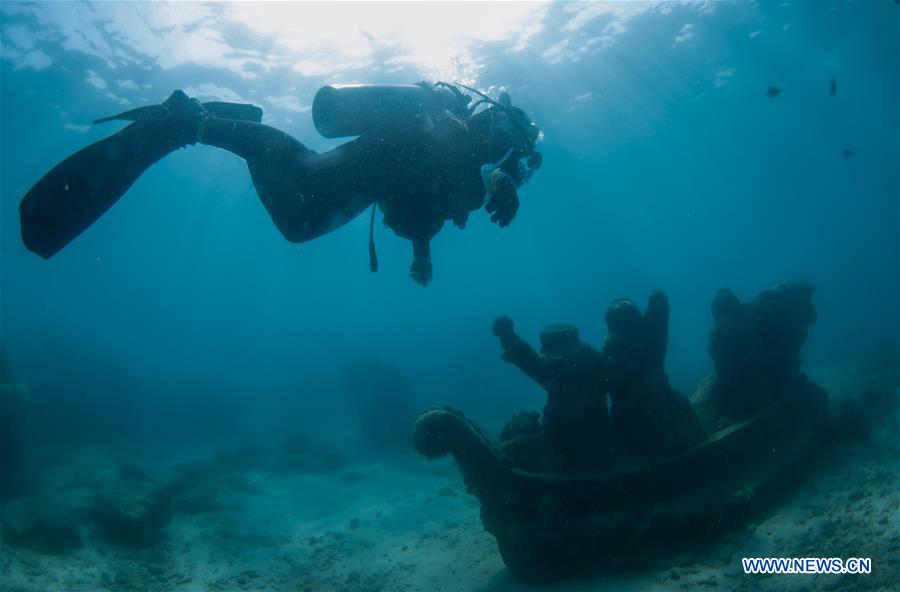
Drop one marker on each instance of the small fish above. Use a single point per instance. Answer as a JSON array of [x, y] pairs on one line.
[[773, 92], [847, 153], [832, 88]]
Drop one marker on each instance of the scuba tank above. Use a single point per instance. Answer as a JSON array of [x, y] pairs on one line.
[[354, 109]]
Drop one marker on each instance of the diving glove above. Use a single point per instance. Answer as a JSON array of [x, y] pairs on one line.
[[500, 196], [421, 270], [504, 201]]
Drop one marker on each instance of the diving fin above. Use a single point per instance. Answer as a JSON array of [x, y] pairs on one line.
[[220, 109], [77, 191], [81, 188], [148, 113]]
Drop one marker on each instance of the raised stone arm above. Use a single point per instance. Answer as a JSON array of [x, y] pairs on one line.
[[517, 352], [656, 327]]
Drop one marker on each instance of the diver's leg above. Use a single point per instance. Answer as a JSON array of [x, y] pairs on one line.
[[250, 140], [306, 194]]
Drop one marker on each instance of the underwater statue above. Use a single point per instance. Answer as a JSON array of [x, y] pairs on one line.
[[551, 527], [650, 418], [575, 427], [424, 153], [755, 347]]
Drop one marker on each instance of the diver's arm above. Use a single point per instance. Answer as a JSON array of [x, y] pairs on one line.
[[421, 270], [517, 352], [418, 225]]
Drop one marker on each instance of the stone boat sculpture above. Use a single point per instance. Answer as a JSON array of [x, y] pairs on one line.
[[550, 527]]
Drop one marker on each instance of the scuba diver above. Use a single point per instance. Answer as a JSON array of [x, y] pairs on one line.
[[424, 154]]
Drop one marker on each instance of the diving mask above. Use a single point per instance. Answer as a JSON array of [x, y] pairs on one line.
[[527, 166], [515, 128]]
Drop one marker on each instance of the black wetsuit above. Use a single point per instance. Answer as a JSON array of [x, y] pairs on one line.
[[421, 173]]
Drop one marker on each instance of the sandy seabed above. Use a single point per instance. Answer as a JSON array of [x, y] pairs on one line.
[[407, 524]]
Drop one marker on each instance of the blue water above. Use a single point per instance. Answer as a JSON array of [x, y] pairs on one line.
[[183, 315]]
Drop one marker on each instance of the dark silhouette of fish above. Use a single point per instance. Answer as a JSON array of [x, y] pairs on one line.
[[773, 91], [847, 153], [832, 88]]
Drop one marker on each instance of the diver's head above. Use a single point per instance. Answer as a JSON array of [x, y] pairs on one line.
[[504, 129], [511, 129], [527, 127], [558, 339], [527, 132], [510, 135]]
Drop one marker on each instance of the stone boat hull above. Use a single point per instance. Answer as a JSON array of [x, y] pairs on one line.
[[555, 527]]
